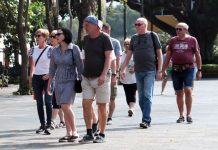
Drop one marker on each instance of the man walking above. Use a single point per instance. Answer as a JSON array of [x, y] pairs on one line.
[[96, 79], [181, 50], [146, 50], [115, 69]]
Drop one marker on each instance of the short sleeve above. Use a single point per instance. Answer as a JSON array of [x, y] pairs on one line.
[[30, 52]]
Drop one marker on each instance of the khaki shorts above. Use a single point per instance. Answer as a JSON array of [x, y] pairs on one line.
[[91, 89], [113, 92]]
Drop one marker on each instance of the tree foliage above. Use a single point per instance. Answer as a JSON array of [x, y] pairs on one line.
[[200, 15]]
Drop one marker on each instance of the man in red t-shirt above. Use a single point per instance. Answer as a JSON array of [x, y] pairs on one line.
[[181, 50]]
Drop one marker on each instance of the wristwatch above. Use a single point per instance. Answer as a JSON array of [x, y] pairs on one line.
[[114, 74], [199, 70]]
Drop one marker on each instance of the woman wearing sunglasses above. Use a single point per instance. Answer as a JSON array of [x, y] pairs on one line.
[[56, 110], [66, 64], [39, 59]]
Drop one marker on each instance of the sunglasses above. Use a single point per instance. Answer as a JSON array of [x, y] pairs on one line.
[[58, 34], [38, 35], [52, 36], [126, 44], [138, 24], [179, 29]]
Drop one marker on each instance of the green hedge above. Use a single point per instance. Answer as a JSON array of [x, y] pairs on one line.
[[210, 71]]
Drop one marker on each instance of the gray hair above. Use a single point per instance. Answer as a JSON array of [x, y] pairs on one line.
[[183, 24]]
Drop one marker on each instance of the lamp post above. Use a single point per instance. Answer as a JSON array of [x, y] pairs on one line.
[[151, 15], [142, 8], [124, 21]]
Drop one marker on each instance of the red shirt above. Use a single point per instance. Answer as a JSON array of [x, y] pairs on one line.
[[182, 51]]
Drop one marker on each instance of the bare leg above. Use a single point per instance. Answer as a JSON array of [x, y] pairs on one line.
[[69, 119], [164, 82], [94, 116], [102, 114], [54, 114], [61, 115], [188, 100], [131, 105], [111, 107], [180, 101], [87, 112]]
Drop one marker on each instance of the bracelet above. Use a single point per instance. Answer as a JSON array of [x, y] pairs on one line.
[[199, 70]]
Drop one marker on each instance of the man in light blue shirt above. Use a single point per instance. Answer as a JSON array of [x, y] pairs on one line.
[[115, 70]]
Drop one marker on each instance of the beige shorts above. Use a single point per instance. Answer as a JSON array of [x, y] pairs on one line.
[[91, 89]]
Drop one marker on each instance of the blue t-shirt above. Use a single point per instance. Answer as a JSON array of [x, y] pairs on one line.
[[116, 46]]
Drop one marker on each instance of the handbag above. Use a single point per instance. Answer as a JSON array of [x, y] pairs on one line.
[[77, 86]]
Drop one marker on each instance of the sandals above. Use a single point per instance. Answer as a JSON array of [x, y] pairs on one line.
[[180, 120], [69, 138], [189, 119]]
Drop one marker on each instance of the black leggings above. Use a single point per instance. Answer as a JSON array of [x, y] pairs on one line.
[[130, 92], [54, 102]]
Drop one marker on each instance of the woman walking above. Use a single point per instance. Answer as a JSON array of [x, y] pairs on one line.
[[65, 65], [129, 81], [56, 110]]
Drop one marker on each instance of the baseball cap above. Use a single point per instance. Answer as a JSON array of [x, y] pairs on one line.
[[94, 20]]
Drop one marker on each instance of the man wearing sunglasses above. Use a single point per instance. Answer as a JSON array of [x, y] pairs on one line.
[[145, 49], [181, 50]]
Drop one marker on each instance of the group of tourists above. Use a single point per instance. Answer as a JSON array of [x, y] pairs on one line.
[[55, 68]]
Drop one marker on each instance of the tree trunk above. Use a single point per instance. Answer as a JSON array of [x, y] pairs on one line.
[[70, 14], [48, 16], [24, 86], [84, 12], [55, 10], [206, 41]]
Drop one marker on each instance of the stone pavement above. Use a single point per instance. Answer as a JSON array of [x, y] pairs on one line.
[[18, 121]]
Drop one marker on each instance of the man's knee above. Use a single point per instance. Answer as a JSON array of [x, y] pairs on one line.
[[87, 104]]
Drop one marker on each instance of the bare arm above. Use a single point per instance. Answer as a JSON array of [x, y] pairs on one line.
[[166, 62], [107, 63], [113, 69], [118, 63], [32, 68], [160, 63], [199, 63], [125, 63]]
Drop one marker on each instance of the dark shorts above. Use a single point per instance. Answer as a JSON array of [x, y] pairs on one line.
[[183, 79]]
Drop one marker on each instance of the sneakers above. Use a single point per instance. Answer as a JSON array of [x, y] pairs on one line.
[[180, 120], [52, 125], [99, 139], [189, 119], [48, 130], [61, 125], [86, 139], [41, 129], [130, 113], [64, 139], [144, 125], [109, 121]]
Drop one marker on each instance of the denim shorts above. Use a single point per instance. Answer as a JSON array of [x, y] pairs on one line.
[[183, 79]]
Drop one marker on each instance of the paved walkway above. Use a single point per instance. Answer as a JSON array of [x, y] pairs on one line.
[[18, 121]]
